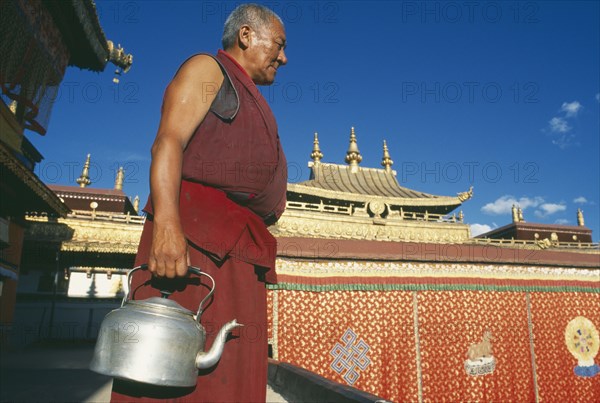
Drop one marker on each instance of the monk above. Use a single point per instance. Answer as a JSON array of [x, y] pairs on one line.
[[217, 179]]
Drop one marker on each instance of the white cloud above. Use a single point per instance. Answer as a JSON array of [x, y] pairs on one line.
[[478, 229], [129, 157], [562, 221], [571, 109], [559, 125], [565, 140], [580, 200], [551, 208], [547, 209], [503, 205]]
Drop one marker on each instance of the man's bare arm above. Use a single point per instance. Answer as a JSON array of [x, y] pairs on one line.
[[186, 102]]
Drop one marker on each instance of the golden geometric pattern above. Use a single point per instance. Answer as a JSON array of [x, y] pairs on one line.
[[311, 323], [450, 322], [551, 313]]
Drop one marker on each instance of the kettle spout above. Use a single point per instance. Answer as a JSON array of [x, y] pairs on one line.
[[210, 358]]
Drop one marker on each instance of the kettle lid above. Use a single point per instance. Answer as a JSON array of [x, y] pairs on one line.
[[161, 303]]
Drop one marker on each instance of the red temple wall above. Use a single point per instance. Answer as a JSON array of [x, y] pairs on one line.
[[418, 335]]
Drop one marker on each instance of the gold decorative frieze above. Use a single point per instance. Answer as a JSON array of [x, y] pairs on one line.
[[582, 247], [373, 269], [100, 247], [119, 234], [44, 231], [314, 224]]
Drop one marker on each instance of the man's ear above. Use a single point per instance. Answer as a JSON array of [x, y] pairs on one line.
[[244, 36]]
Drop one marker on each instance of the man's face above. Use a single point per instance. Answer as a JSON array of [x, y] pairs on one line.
[[266, 53]]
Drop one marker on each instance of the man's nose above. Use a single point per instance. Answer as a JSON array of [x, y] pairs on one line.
[[282, 58]]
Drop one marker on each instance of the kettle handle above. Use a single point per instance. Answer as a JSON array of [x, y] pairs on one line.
[[191, 269]]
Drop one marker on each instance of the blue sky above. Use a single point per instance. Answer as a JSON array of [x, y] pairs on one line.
[[499, 95]]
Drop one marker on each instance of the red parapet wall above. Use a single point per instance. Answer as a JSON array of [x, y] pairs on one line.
[[411, 344], [449, 322], [550, 314], [311, 323]]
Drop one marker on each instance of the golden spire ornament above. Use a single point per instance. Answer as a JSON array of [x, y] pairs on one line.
[[136, 204], [520, 213], [316, 154], [386, 162], [119, 179], [580, 220], [84, 179], [353, 157]]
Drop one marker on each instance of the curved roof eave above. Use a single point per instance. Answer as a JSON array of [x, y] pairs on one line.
[[396, 201]]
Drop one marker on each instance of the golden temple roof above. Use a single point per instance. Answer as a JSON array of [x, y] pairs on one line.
[[340, 182], [356, 184], [366, 181]]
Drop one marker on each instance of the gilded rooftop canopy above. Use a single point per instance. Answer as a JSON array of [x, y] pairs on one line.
[[352, 184]]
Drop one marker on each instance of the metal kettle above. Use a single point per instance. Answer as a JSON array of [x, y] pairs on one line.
[[156, 340]]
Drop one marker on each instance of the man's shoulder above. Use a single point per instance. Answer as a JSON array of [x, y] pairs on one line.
[[201, 61], [199, 68]]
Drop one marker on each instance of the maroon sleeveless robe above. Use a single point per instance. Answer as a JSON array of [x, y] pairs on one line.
[[237, 148], [234, 180]]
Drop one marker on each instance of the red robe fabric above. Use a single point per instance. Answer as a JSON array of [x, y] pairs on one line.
[[239, 254]]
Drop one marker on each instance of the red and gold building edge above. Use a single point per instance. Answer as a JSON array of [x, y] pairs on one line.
[[419, 320]]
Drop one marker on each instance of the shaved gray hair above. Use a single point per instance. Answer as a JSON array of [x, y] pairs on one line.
[[255, 16]]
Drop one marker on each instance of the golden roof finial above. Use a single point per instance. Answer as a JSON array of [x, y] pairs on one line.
[[580, 220], [353, 157], [464, 196], [386, 162], [515, 214], [520, 213], [84, 179], [136, 204], [119, 179], [316, 154]]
